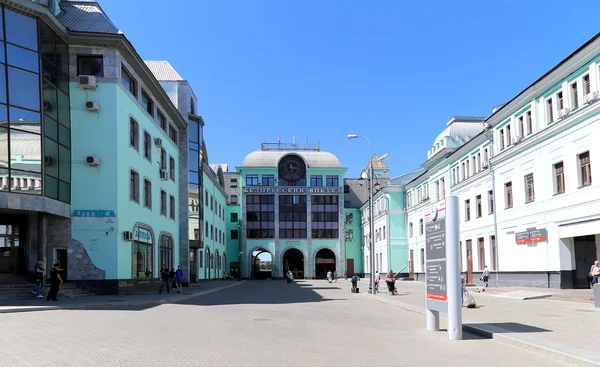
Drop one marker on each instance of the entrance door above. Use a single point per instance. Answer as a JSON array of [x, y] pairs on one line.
[[193, 266], [293, 260], [411, 264], [469, 262], [349, 268], [61, 260], [585, 255], [12, 251], [324, 262]]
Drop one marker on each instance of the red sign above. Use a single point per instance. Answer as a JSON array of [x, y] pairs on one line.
[[437, 297], [325, 261]]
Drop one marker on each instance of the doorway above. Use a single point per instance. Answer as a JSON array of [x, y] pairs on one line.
[[349, 268], [193, 266], [12, 251], [60, 258], [293, 260], [261, 264], [469, 262], [324, 262], [585, 255], [411, 264]]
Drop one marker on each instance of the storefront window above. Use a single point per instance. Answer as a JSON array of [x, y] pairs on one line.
[[166, 251], [143, 264]]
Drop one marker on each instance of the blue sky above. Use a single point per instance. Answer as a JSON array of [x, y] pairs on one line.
[[395, 71]]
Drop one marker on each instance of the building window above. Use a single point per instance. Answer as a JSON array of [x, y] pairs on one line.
[[163, 159], [162, 120], [384, 232], [346, 189], [234, 217], [234, 199], [508, 195], [142, 253], [268, 180], [559, 178], [331, 180], [501, 139], [491, 202], [251, 180], [481, 250], [129, 82], [147, 146], [586, 85], [467, 210], [147, 103], [585, 169], [134, 134], [166, 251], [292, 216], [559, 97], [529, 188], [233, 182], [478, 204], [316, 180], [443, 188], [148, 194], [260, 216], [234, 234], [574, 96], [172, 207], [521, 127], [172, 133], [90, 65], [134, 187], [508, 135], [493, 251], [212, 232], [423, 260], [349, 235], [172, 168], [163, 203], [529, 122], [324, 216], [212, 204], [410, 229], [206, 229], [421, 226], [549, 112]]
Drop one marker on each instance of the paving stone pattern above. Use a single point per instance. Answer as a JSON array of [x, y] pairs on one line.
[[260, 323]]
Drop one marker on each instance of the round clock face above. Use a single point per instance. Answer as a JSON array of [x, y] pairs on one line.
[[292, 168]]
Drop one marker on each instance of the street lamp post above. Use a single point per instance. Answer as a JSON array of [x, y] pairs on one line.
[[488, 128], [371, 218], [241, 254]]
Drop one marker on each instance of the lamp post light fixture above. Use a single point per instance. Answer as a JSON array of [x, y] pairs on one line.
[[241, 254], [371, 217]]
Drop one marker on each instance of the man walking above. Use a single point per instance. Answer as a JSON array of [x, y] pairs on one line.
[[55, 282], [38, 273], [178, 278], [164, 278], [486, 276]]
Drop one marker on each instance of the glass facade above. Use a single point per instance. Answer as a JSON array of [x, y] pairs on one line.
[[196, 209], [35, 137]]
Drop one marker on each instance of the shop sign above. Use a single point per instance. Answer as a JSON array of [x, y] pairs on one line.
[[94, 213], [531, 235], [292, 190], [325, 261], [142, 235]]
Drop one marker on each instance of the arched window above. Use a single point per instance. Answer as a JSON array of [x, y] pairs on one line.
[[143, 261], [166, 251]]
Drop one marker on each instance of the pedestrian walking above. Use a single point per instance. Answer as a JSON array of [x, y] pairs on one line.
[[290, 277], [354, 281], [376, 282], [391, 283], [335, 276], [329, 276], [38, 273], [463, 288], [164, 278], [55, 282], [595, 272], [172, 279], [178, 278], [486, 276]]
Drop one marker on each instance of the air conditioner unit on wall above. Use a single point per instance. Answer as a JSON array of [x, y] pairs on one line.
[[564, 113], [128, 236], [158, 142], [87, 81], [92, 106], [92, 161], [590, 97], [164, 174]]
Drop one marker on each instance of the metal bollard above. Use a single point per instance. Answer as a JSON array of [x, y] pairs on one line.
[[596, 295]]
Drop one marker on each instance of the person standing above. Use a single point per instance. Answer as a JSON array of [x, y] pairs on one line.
[[38, 272], [595, 272], [463, 288], [486, 276], [335, 276], [164, 278], [377, 277], [329, 276], [55, 282], [354, 280], [178, 278]]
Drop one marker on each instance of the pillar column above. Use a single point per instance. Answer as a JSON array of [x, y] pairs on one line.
[[309, 267], [341, 258], [245, 258], [277, 271]]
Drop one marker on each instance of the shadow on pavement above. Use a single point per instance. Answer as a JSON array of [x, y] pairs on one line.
[[510, 327]]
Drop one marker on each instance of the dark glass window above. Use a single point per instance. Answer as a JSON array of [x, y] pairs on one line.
[[292, 216], [316, 180], [162, 120], [134, 134], [172, 133], [172, 168], [260, 216], [172, 207], [24, 89], [163, 159], [147, 103], [268, 180], [90, 65], [147, 146], [324, 216], [2, 83], [22, 58], [147, 194], [234, 234], [128, 81], [251, 180], [21, 29], [163, 203], [166, 251], [234, 217], [332, 180], [134, 187]]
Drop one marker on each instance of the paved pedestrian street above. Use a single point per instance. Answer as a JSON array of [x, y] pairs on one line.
[[258, 323]]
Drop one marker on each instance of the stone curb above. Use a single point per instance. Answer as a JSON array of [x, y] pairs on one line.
[[100, 305], [550, 349]]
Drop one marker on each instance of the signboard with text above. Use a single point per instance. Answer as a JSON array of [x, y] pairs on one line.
[[435, 255], [292, 190], [531, 235]]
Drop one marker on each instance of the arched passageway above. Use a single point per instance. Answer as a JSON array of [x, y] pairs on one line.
[[261, 264], [293, 260], [324, 262]]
